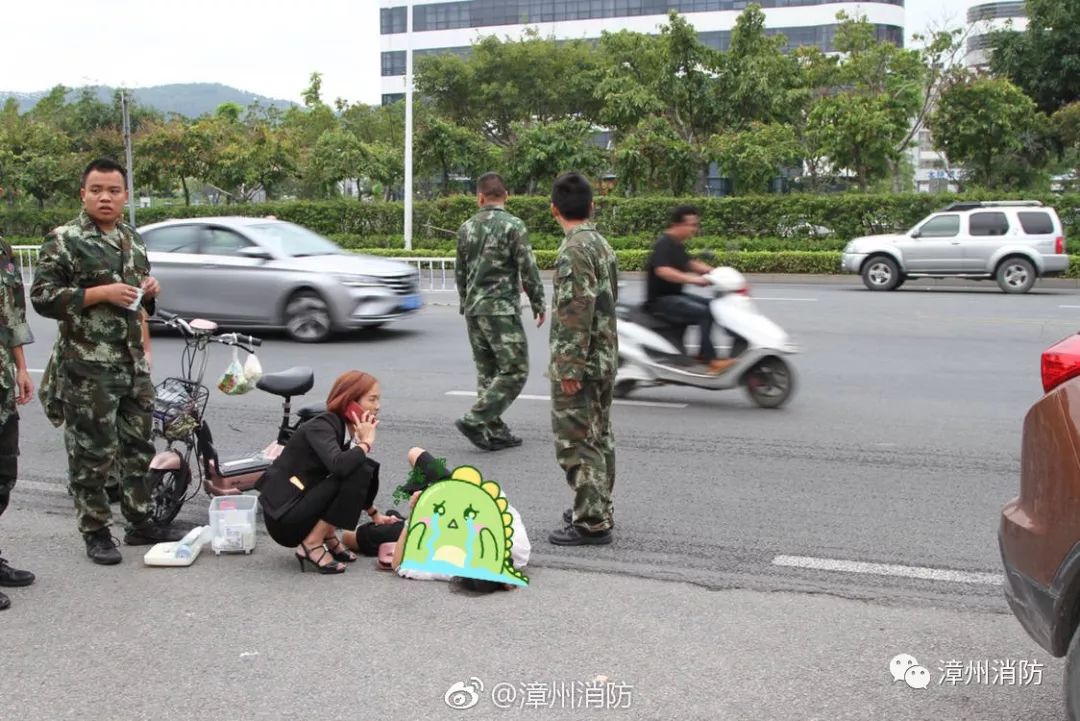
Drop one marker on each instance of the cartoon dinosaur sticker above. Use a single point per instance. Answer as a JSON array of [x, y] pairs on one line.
[[460, 526]]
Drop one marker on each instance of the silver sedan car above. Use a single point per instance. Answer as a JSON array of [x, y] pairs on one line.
[[262, 272]]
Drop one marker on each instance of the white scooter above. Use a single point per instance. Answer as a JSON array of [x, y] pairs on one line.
[[651, 351]]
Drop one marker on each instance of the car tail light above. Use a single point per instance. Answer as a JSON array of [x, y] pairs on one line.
[[1061, 362], [1059, 245]]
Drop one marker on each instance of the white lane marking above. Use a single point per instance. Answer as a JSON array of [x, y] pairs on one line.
[[888, 569], [793, 300], [525, 396], [35, 370], [1069, 306]]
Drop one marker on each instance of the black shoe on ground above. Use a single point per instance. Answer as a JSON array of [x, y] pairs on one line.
[[115, 494], [13, 577], [507, 441], [147, 534], [475, 435], [101, 547], [5, 602], [568, 517], [576, 536]]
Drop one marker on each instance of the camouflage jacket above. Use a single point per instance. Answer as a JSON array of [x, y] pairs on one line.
[[584, 343], [14, 330], [494, 261]]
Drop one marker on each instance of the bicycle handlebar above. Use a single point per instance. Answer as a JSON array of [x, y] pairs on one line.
[[248, 342]]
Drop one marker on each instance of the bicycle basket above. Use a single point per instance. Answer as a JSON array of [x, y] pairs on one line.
[[178, 404]]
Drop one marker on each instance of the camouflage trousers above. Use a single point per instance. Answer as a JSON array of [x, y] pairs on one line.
[[9, 459], [501, 354], [585, 448], [107, 431]]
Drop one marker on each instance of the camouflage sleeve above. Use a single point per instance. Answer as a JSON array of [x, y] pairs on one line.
[[15, 306], [528, 270], [54, 292], [460, 273], [573, 306]]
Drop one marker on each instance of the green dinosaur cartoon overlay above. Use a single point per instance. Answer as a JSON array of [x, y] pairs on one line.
[[460, 526]]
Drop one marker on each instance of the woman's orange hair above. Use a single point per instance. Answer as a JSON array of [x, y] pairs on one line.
[[350, 386]]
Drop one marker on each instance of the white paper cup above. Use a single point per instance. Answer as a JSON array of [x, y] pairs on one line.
[[138, 299]]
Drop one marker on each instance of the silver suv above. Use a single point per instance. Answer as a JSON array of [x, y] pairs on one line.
[[1014, 242]]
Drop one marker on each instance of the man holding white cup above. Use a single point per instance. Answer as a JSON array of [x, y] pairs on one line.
[[93, 277]]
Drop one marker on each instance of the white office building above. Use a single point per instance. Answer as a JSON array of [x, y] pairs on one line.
[[440, 26], [985, 18]]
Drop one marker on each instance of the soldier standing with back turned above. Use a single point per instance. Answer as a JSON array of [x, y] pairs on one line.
[[494, 261]]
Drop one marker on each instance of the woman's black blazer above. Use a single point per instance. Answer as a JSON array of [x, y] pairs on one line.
[[317, 450]]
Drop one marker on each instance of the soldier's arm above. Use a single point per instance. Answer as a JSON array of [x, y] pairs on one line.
[[460, 274], [16, 320], [54, 293], [572, 308], [528, 271]]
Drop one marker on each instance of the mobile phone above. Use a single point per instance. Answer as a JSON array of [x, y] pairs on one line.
[[353, 412]]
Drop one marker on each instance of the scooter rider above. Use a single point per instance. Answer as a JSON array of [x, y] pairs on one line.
[[670, 267]]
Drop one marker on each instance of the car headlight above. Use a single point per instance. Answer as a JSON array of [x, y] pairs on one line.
[[358, 281]]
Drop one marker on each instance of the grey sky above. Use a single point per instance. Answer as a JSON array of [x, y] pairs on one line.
[[263, 46]]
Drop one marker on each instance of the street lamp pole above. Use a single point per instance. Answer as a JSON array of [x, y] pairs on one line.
[[408, 125], [127, 153]]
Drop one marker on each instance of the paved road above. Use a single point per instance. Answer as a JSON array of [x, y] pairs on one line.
[[899, 448]]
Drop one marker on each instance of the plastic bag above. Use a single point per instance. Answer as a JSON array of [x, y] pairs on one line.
[[253, 369], [233, 382]]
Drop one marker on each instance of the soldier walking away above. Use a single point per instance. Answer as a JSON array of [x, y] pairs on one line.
[[584, 359], [494, 262], [93, 277], [15, 388]]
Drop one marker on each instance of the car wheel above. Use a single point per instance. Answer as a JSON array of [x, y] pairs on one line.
[[1016, 275], [881, 273], [1072, 678], [307, 317]]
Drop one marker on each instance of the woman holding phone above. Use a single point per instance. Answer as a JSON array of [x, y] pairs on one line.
[[325, 477]]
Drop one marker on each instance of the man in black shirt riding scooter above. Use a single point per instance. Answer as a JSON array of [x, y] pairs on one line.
[[670, 267]]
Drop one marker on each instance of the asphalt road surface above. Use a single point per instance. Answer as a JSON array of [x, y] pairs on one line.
[[767, 564]]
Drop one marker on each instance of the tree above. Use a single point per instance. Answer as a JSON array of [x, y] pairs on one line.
[[542, 152], [1066, 129], [503, 85], [753, 157], [1044, 60], [444, 149], [174, 151], [653, 158], [993, 129], [338, 155]]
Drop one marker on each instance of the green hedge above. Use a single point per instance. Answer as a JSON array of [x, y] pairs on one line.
[[847, 215]]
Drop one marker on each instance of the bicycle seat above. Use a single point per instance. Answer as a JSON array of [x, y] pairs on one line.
[[292, 382], [308, 412]]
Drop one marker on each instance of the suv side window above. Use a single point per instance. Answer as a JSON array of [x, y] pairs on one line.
[[1036, 223], [941, 226], [983, 224], [173, 239], [220, 241]]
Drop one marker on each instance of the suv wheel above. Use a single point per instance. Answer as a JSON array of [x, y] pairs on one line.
[[1016, 275], [881, 273], [1072, 678]]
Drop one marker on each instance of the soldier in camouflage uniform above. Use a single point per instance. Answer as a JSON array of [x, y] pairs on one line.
[[15, 388], [494, 261], [93, 277], [584, 359]]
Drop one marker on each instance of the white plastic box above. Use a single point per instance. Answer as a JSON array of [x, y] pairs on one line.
[[232, 523]]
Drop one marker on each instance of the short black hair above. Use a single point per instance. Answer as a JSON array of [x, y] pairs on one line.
[[679, 212], [491, 185], [572, 196], [103, 165]]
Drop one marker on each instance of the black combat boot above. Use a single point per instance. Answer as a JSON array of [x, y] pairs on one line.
[[101, 547]]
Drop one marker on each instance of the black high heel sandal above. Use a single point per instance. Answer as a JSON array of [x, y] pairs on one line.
[[307, 558], [339, 552]]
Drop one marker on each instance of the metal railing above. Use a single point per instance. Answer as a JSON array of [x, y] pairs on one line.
[[436, 274]]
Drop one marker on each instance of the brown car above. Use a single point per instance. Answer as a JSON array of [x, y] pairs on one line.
[[1040, 528]]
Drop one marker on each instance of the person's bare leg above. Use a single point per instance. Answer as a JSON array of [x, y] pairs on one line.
[[414, 455], [334, 544], [314, 540]]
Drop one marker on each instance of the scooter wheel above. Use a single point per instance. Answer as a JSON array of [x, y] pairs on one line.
[[168, 490], [770, 382]]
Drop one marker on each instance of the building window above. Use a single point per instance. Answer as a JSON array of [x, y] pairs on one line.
[[391, 98], [392, 20], [393, 63], [993, 11]]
